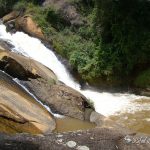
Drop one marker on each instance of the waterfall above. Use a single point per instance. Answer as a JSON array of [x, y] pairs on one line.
[[105, 103]]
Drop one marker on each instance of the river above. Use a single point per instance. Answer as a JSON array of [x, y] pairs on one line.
[[118, 106]]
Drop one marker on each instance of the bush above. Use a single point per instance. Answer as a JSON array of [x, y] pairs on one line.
[[6, 6], [21, 5], [113, 42], [124, 33], [55, 19], [143, 79]]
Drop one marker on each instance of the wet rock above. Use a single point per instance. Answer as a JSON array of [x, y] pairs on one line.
[[88, 112], [3, 45], [102, 121], [10, 26], [97, 118], [104, 139]]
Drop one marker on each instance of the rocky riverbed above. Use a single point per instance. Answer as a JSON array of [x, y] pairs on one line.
[[95, 139]]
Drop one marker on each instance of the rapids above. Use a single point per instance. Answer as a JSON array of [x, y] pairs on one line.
[[104, 102]]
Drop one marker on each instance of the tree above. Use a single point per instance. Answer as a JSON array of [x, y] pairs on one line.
[[123, 27]]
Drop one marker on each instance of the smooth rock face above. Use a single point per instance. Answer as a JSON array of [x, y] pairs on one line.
[[19, 112], [27, 25], [68, 101], [60, 98]]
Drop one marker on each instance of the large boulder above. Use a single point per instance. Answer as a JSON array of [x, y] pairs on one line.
[[42, 82], [17, 21], [59, 97], [19, 112], [27, 25], [67, 11], [24, 68]]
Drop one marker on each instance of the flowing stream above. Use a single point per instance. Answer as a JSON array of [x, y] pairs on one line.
[[108, 104]]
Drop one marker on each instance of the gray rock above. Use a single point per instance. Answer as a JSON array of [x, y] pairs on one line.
[[104, 139], [83, 148], [97, 118], [71, 144]]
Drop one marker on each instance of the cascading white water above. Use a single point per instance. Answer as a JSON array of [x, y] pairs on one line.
[[105, 103]]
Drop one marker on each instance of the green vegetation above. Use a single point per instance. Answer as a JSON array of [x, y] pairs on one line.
[[143, 80], [125, 33], [6, 6], [113, 43]]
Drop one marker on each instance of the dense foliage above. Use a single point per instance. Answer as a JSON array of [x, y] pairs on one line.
[[125, 33], [6, 6], [113, 43]]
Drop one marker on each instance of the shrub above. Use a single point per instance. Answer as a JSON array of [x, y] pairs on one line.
[[6, 6], [143, 79]]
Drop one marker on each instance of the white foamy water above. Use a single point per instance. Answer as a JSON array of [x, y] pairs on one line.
[[104, 102]]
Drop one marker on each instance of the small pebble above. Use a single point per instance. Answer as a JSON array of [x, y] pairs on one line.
[[128, 139], [60, 140], [83, 148], [59, 135], [71, 144]]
